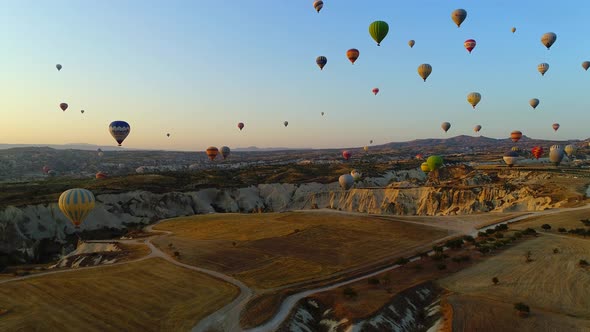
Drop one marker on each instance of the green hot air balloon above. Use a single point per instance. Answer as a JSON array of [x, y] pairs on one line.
[[378, 31], [434, 162]]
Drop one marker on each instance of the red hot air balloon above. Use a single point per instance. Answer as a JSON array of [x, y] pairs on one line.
[[555, 126], [375, 91], [63, 106], [469, 44], [101, 175], [346, 154], [352, 55], [212, 152], [515, 136], [241, 125], [537, 151]]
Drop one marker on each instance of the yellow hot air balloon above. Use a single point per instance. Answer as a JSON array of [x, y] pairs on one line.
[[513, 29], [474, 98], [76, 204], [366, 148], [424, 71]]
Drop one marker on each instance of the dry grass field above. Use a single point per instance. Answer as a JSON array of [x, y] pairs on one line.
[[461, 222], [568, 220], [276, 249], [551, 282], [150, 295]]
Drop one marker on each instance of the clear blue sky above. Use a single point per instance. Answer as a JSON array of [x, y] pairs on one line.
[[197, 68]]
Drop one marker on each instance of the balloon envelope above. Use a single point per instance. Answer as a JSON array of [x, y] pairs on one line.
[[543, 68], [569, 150], [352, 55], [101, 175], [318, 5], [241, 125], [458, 16], [477, 128], [321, 61], [212, 152], [76, 204], [424, 167], [548, 39], [556, 154], [346, 181], [537, 151], [534, 103], [434, 162], [378, 31], [119, 130], [346, 154], [469, 44], [411, 43], [356, 175], [445, 126], [225, 151], [555, 126], [58, 66], [515, 135], [63, 106], [375, 91], [474, 98], [510, 158], [424, 71], [586, 65], [513, 29]]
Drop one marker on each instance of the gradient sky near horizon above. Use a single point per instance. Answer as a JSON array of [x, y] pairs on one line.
[[197, 68]]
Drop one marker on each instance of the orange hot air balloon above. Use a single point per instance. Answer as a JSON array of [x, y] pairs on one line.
[[241, 125], [346, 154], [555, 126], [212, 152], [101, 175], [375, 91], [469, 44], [515, 136], [352, 55], [537, 151]]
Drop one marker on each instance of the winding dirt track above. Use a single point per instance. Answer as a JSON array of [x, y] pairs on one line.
[[228, 317]]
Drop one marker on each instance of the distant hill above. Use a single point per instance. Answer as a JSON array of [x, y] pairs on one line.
[[69, 146], [254, 148]]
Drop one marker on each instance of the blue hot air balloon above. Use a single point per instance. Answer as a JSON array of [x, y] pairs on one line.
[[119, 130]]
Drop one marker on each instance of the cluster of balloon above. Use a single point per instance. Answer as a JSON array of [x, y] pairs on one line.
[[556, 154], [537, 152], [76, 204], [375, 91], [515, 136], [212, 152], [445, 126], [510, 158], [119, 130], [555, 126], [101, 175], [356, 175], [346, 154], [241, 125], [346, 181]]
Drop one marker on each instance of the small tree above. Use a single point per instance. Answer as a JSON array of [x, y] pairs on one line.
[[546, 227], [561, 230], [495, 280], [437, 249], [555, 250], [522, 309], [468, 238], [527, 256]]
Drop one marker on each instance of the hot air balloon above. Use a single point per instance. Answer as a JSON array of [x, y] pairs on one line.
[[434, 162], [510, 158], [516, 149], [424, 71], [286, 123], [555, 126], [366, 148], [225, 151], [168, 134], [458, 16], [46, 169], [375, 91], [356, 175], [515, 136], [76, 204], [82, 111], [513, 29], [321, 61], [537, 151], [212, 152], [346, 154], [548, 39], [424, 167], [346, 181], [63, 106], [119, 130], [473, 98], [469, 44], [543, 68], [241, 125], [445, 126], [371, 142], [586, 65], [352, 55], [100, 154], [58, 66], [477, 128], [570, 150], [378, 31], [534, 103], [556, 154], [322, 113], [419, 156], [101, 175], [411, 43], [318, 5]]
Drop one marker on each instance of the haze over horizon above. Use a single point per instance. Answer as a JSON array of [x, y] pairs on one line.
[[197, 69]]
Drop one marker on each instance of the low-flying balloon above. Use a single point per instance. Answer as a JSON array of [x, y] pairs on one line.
[[411, 43], [548, 39], [434, 162], [346, 154], [458, 16], [445, 126], [477, 128], [375, 91], [424, 71], [241, 126], [225, 151], [586, 65], [321, 61], [543, 68], [318, 5], [474, 98], [515, 136], [212, 152], [555, 126], [100, 153], [510, 158], [570, 150], [469, 44], [378, 31], [352, 55], [63, 106], [419, 156], [46, 169], [119, 130], [76, 204], [534, 103], [537, 151], [556, 154], [346, 181], [100, 176], [424, 167], [356, 175]]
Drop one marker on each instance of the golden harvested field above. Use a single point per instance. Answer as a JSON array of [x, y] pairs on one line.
[[461, 222], [568, 220], [551, 282], [277, 249], [151, 295]]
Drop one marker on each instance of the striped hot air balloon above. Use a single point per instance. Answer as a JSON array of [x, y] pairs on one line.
[[378, 31], [537, 152], [515, 136], [76, 204], [119, 130], [318, 5], [424, 167], [212, 152], [321, 61], [510, 158], [543, 68], [469, 44]]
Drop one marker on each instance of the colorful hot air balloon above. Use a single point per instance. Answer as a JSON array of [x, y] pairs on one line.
[[321, 61], [445, 126], [473, 98], [212, 152], [318, 5], [225, 151], [352, 55], [424, 71], [516, 149], [570, 150], [534, 103], [82, 111], [58, 66], [366, 148], [101, 175], [556, 154], [543, 68], [555, 126], [411, 43], [375, 91], [119, 130], [586, 65], [424, 167], [513, 29], [76, 204], [346, 154], [356, 175], [434, 162], [510, 158], [537, 151], [469, 44], [346, 181], [419, 156], [378, 31], [548, 39], [458, 16], [286, 123], [241, 125], [63, 106], [515, 136], [477, 128]]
